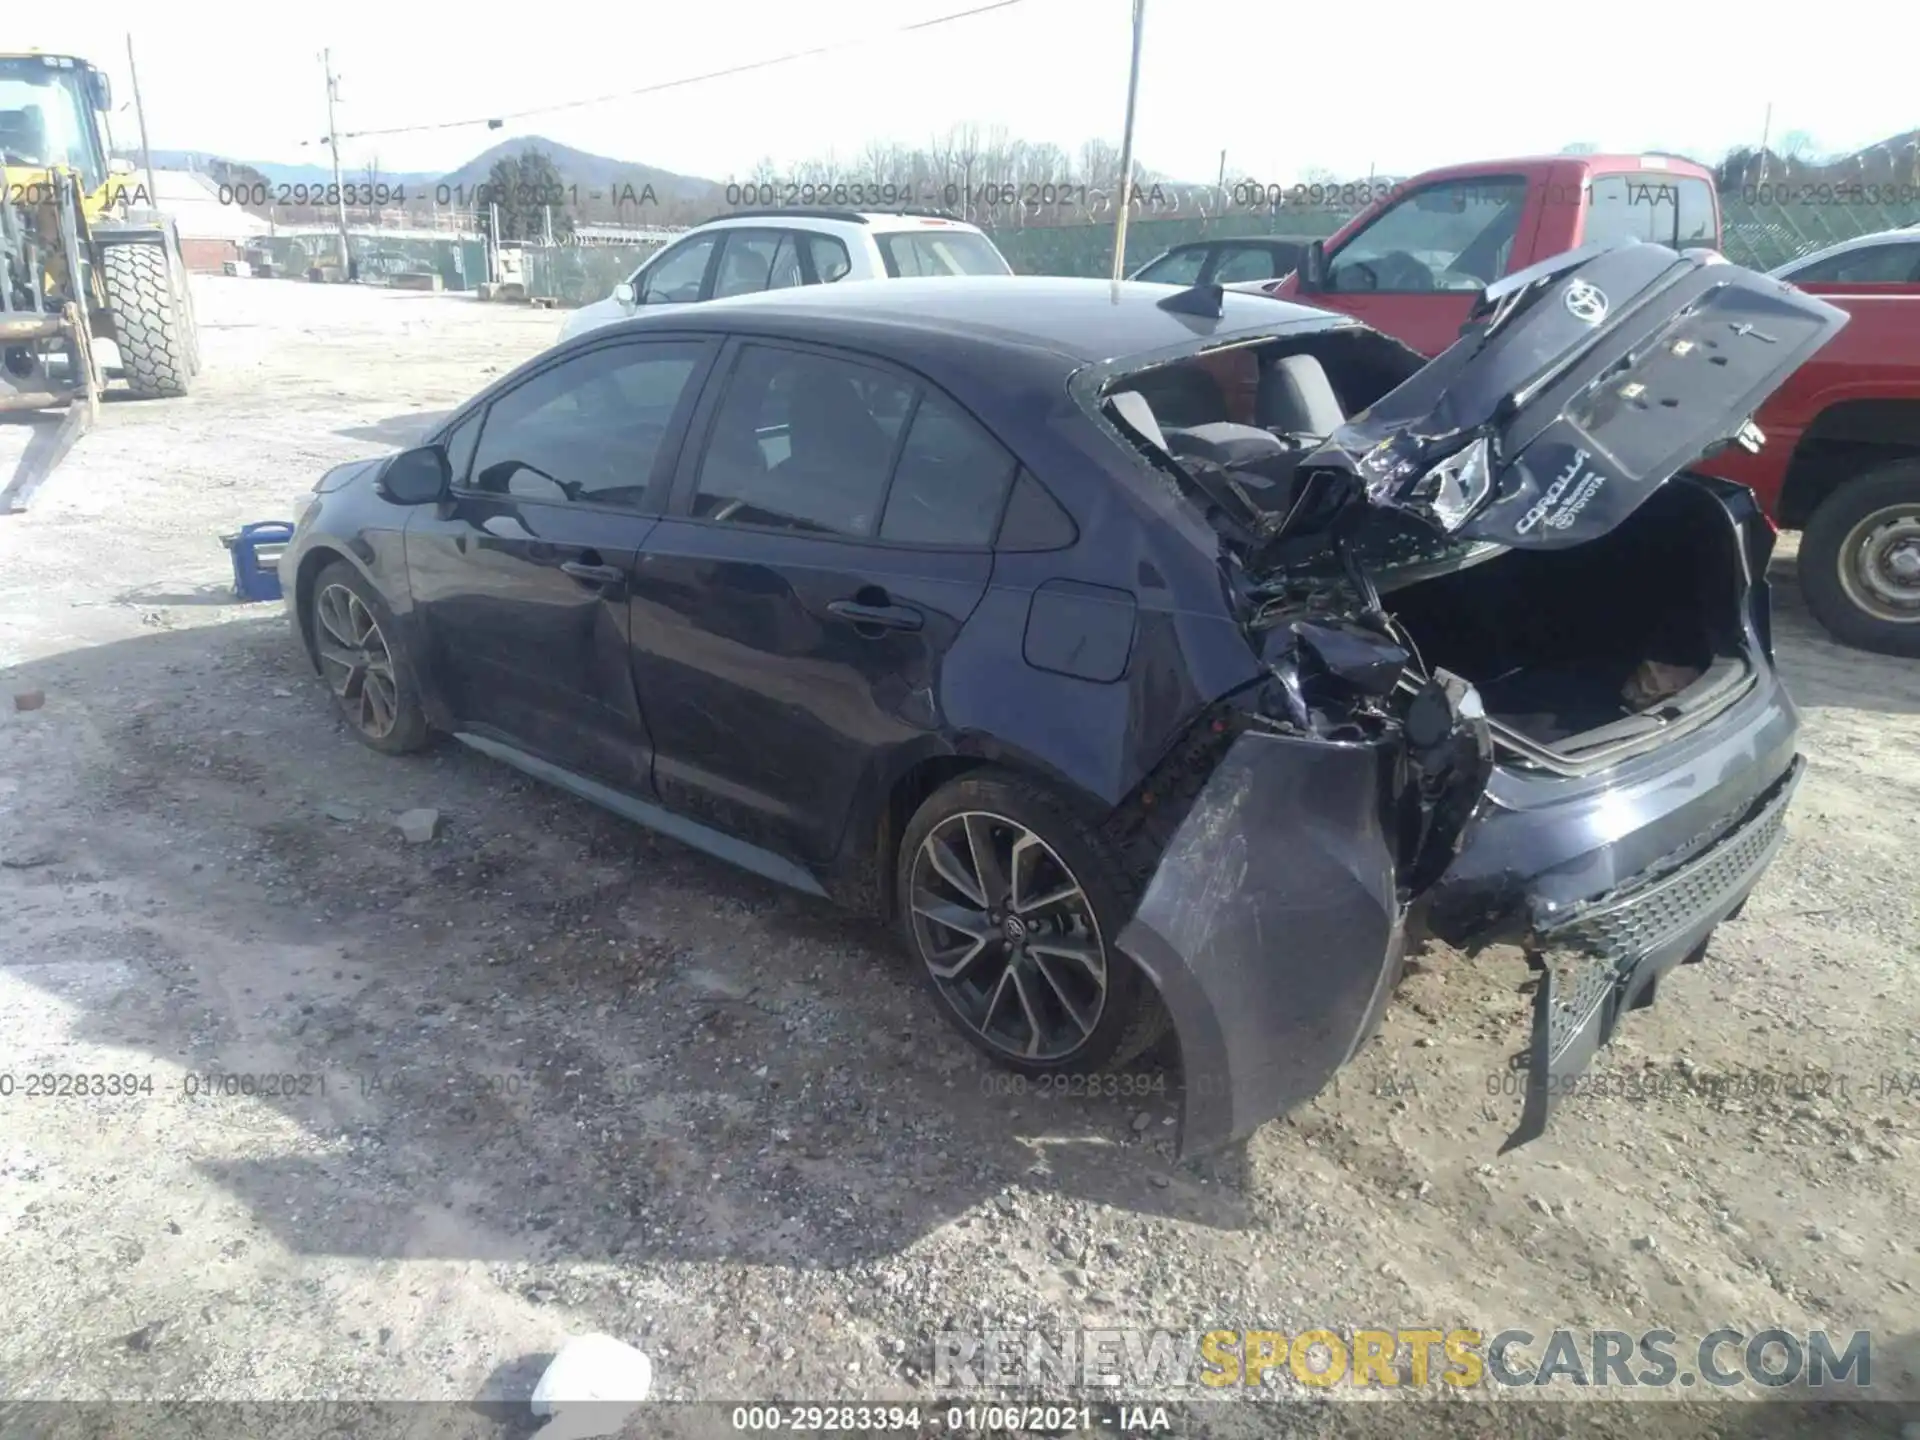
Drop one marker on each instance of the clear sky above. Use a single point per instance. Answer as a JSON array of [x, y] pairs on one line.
[[1344, 87]]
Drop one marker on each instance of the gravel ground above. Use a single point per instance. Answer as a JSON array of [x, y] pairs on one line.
[[557, 1075]]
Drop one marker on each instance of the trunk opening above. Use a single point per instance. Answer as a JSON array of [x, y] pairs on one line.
[[1588, 653]]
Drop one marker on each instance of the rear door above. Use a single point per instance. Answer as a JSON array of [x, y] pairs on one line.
[[520, 578], [756, 260], [829, 535]]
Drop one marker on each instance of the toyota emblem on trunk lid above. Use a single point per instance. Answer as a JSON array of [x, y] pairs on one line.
[[1586, 302]]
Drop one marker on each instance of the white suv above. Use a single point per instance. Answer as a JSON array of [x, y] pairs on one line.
[[758, 250]]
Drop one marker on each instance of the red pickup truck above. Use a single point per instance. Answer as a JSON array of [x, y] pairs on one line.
[[1841, 462]]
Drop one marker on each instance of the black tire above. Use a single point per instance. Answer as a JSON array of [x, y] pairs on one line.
[[387, 719], [151, 323], [1860, 602], [1129, 1018]]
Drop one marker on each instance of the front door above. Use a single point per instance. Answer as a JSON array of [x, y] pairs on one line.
[[521, 577], [829, 537]]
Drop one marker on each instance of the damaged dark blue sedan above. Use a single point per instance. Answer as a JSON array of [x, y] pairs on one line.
[[1150, 657]]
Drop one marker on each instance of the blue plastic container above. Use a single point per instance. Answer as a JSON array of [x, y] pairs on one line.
[[256, 558]]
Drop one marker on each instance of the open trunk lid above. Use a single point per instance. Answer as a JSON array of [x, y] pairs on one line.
[[1580, 386]]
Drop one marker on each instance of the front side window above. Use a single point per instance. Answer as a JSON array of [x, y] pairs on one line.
[[1889, 264], [802, 442], [1457, 235], [589, 429], [910, 253], [675, 278]]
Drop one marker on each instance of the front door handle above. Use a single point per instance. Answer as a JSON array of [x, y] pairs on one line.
[[593, 574], [877, 617]]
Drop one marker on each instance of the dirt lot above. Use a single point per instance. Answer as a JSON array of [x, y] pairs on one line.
[[557, 1075]]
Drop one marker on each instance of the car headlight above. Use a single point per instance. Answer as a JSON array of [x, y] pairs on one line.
[[1448, 493]]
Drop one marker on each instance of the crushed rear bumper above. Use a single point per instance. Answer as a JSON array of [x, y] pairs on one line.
[[1274, 927]]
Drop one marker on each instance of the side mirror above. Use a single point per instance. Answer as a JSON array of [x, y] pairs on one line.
[[416, 477], [100, 90], [624, 293], [1313, 268]]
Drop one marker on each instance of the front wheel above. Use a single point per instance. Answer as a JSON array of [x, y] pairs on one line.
[[152, 323], [1860, 561], [1011, 902], [356, 643]]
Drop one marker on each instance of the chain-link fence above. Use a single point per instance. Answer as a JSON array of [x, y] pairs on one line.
[[1756, 235], [1762, 235], [1753, 234], [579, 274], [460, 262]]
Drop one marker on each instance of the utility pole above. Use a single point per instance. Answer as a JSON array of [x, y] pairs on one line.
[[1126, 150], [140, 114], [333, 144], [1766, 129], [1223, 182]]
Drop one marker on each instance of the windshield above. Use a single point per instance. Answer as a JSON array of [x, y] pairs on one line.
[[940, 252], [46, 118]]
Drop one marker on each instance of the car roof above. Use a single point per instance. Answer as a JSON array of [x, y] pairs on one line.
[[1907, 236], [1084, 321], [836, 222], [1532, 164]]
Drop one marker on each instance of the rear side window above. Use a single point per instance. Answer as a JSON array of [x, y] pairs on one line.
[[1177, 267], [1247, 262], [746, 262], [802, 442], [1668, 210], [1035, 520], [911, 253], [950, 482], [829, 256]]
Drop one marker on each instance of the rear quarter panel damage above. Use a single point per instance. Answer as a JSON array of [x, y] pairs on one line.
[[1278, 887]]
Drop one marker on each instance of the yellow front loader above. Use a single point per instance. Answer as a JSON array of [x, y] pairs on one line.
[[84, 253]]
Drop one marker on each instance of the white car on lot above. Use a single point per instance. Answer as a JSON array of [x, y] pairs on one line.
[[758, 250], [1888, 257]]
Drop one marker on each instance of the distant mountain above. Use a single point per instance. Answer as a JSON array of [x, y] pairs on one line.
[[595, 175]]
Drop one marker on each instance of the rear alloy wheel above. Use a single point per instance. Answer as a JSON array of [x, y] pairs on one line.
[[372, 689], [1011, 904], [1860, 561]]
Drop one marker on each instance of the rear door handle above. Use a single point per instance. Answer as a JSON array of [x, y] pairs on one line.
[[593, 574], [879, 617]]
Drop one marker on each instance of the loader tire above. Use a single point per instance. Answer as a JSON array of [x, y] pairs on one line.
[[152, 322]]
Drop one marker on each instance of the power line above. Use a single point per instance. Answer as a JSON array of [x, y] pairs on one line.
[[495, 121]]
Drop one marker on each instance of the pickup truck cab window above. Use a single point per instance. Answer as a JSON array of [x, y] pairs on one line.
[[1454, 235]]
